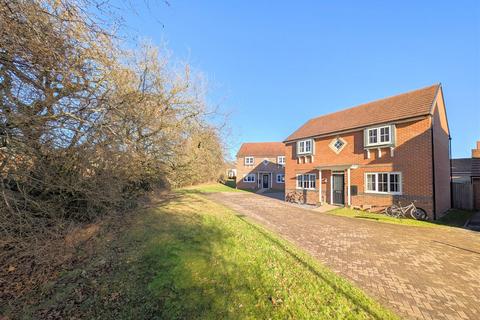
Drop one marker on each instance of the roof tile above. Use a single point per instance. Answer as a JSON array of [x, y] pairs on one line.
[[261, 149], [402, 106]]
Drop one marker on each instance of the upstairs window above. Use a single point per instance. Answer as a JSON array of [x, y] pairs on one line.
[[281, 160], [378, 136], [304, 146], [249, 161]]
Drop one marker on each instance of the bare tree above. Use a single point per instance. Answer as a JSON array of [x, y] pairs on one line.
[[85, 128]]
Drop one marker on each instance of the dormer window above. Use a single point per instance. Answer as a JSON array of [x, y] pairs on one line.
[[304, 146], [379, 136], [281, 160], [249, 161]]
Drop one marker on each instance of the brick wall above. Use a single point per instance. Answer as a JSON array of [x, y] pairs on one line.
[[259, 167], [441, 157], [412, 156], [476, 151]]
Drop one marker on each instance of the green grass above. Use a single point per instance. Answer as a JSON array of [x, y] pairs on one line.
[[454, 218], [190, 258], [211, 187]]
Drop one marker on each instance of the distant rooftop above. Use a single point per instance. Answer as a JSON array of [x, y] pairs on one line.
[[261, 149]]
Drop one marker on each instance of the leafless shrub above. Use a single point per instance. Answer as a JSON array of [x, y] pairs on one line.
[[85, 128]]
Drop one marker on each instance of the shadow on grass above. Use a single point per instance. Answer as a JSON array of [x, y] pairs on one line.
[[175, 270], [368, 218], [177, 263]]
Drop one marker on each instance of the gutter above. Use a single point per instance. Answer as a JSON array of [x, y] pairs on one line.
[[354, 129]]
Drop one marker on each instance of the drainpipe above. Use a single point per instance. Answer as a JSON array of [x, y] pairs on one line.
[[451, 176], [433, 173]]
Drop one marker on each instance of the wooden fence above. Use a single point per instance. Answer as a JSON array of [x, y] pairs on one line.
[[462, 195]]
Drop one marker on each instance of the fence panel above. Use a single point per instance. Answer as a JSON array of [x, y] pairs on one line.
[[462, 195]]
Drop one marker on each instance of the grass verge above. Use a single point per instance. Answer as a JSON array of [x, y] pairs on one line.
[[210, 187], [454, 218], [190, 258]]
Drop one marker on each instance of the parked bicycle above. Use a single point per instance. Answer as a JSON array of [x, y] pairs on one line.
[[399, 211]]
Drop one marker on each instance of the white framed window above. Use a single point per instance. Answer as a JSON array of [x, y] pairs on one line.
[[383, 182], [304, 146], [306, 181], [250, 178], [378, 136], [281, 178], [249, 161], [281, 160]]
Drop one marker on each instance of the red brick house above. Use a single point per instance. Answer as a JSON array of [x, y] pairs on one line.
[[261, 165], [389, 150]]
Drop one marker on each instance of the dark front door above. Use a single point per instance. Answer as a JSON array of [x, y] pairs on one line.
[[338, 189], [265, 181]]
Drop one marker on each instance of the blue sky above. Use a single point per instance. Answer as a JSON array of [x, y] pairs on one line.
[[275, 64]]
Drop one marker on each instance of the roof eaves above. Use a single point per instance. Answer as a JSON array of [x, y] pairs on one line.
[[331, 133]]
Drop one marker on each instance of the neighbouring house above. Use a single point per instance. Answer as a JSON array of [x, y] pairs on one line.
[[467, 171], [261, 165], [231, 169], [374, 154], [231, 173]]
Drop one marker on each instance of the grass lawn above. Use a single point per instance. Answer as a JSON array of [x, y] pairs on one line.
[[211, 187], [190, 258], [455, 218]]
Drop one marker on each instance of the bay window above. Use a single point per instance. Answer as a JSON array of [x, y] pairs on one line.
[[305, 146], [379, 136]]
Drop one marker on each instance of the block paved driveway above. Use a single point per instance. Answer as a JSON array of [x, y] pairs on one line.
[[420, 273]]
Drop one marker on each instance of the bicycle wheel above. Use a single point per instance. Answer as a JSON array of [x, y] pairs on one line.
[[419, 214], [392, 211]]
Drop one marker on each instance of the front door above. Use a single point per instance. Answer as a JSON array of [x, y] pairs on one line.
[[338, 189], [265, 181]]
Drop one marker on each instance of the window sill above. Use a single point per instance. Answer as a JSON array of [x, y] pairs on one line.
[[375, 146], [310, 189], [304, 154], [384, 193]]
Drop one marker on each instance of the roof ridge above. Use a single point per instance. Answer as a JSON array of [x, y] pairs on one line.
[[377, 100], [263, 142]]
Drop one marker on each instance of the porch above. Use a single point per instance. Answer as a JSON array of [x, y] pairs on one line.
[[337, 189], [264, 180]]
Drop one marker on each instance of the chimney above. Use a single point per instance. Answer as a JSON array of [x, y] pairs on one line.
[[476, 152]]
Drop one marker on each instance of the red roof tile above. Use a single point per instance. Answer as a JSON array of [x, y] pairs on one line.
[[407, 105], [261, 149]]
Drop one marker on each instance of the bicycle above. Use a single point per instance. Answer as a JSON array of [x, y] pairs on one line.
[[397, 211]]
